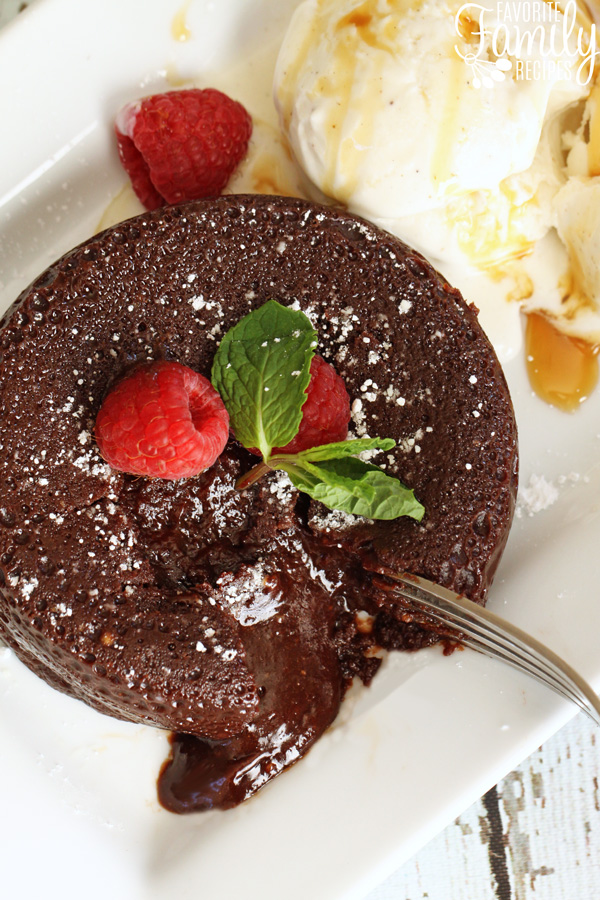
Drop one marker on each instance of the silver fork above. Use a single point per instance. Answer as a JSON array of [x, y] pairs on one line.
[[489, 633]]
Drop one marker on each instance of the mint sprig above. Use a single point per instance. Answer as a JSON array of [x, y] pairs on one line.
[[262, 371], [356, 487]]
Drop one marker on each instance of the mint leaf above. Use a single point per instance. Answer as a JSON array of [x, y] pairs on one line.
[[354, 486], [343, 448], [262, 370]]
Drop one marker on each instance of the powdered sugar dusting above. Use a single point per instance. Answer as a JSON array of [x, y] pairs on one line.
[[248, 595], [27, 587], [336, 520], [537, 495], [281, 487], [358, 417], [91, 464]]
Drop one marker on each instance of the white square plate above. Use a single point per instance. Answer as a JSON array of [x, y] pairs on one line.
[[79, 813]]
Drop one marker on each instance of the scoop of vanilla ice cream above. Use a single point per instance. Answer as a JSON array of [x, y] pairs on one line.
[[577, 208], [386, 115]]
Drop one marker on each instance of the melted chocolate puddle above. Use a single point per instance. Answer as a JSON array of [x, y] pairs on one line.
[[201, 775]]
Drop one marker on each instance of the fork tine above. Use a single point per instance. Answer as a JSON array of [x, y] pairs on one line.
[[491, 634]]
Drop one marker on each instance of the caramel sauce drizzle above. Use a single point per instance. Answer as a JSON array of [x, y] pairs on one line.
[[179, 28], [468, 27], [562, 370], [594, 139]]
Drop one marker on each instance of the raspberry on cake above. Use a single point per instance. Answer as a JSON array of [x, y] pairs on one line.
[[326, 411], [238, 618], [181, 145], [162, 420]]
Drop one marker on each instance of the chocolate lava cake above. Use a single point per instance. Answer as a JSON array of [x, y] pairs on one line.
[[238, 618]]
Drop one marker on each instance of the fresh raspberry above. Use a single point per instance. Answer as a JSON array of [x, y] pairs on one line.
[[163, 420], [326, 410], [181, 145]]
